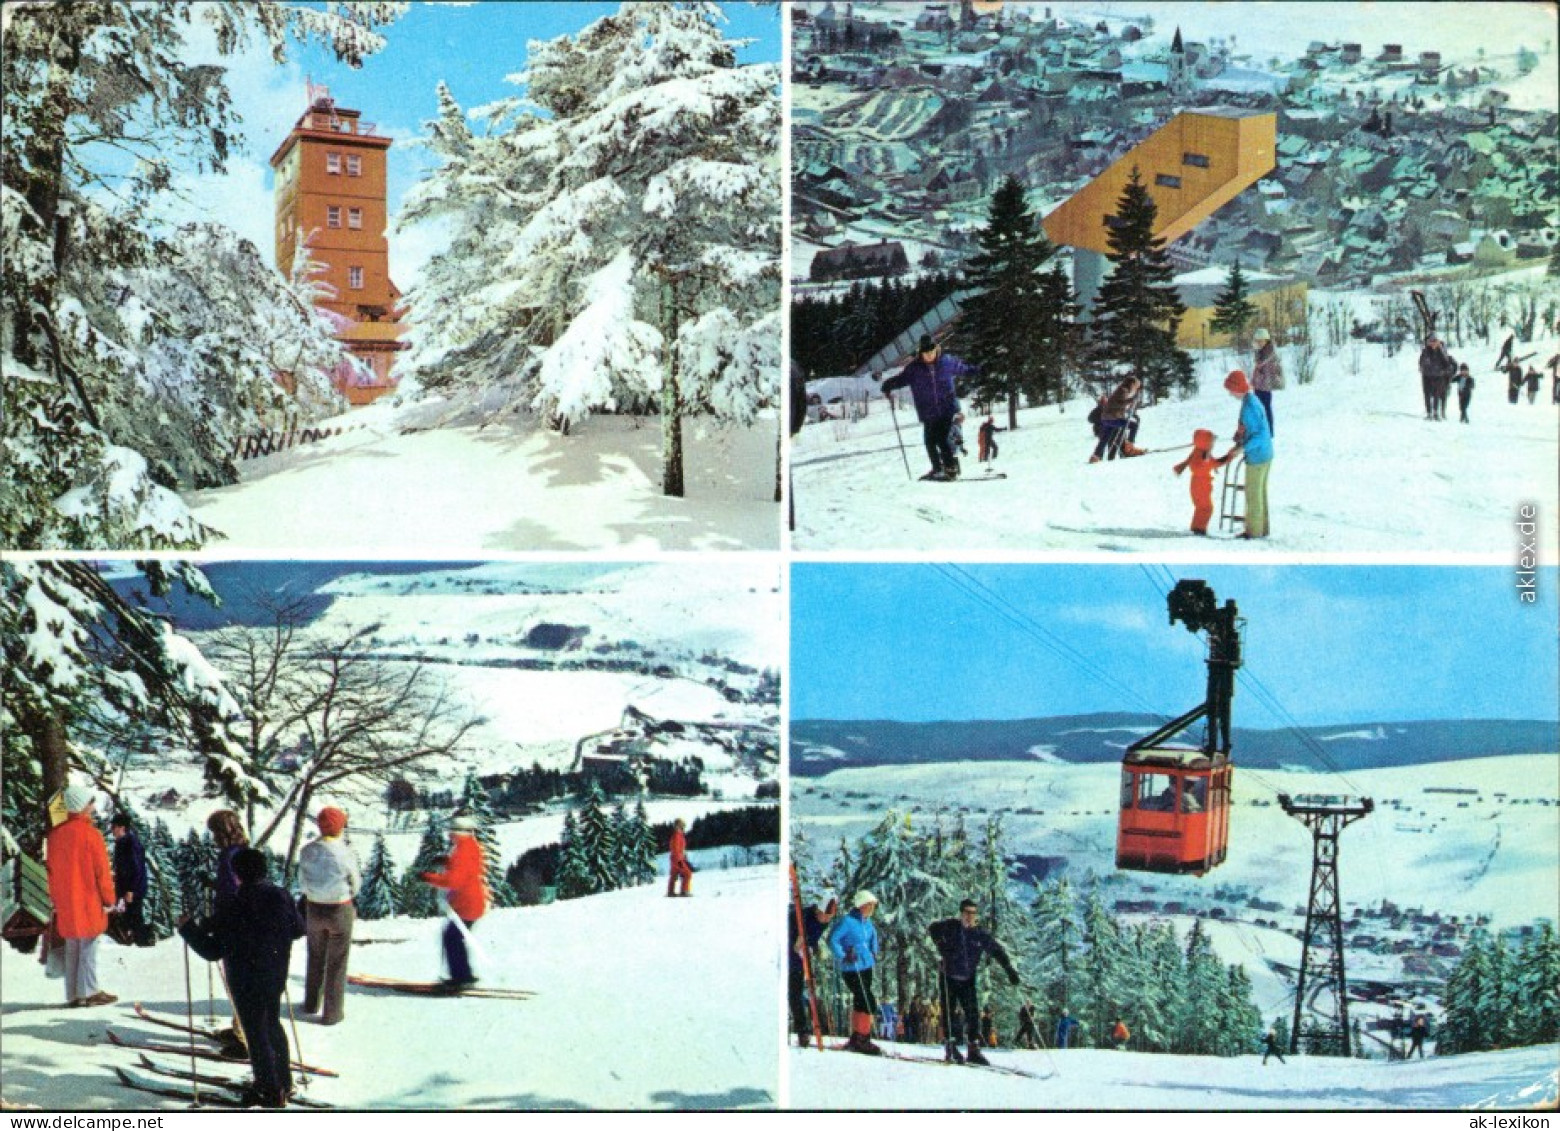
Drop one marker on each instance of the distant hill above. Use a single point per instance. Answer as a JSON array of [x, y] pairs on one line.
[[819, 746]]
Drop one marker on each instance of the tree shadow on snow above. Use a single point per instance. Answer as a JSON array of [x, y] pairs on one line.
[[730, 1099], [1125, 532]]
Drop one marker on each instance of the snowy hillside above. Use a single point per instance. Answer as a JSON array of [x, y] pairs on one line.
[[1102, 1079], [1352, 448], [469, 490], [1470, 837], [615, 1023]]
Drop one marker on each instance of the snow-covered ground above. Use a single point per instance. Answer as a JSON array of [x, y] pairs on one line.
[[1103, 1079], [1357, 470], [467, 490], [676, 1012]]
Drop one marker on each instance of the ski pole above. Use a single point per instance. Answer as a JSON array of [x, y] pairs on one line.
[[297, 1044], [189, 1015], [900, 437]]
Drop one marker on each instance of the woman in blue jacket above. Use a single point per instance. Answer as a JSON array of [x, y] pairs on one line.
[[1255, 437], [855, 947]]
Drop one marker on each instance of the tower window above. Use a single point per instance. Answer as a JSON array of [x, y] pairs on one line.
[[333, 215], [354, 217], [354, 165], [1166, 180], [355, 278], [333, 164], [1197, 160]]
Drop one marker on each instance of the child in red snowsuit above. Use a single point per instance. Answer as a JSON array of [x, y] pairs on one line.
[[1202, 462]]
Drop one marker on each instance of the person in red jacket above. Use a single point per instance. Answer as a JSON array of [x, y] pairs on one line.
[[680, 869], [81, 884], [1202, 462], [465, 878]]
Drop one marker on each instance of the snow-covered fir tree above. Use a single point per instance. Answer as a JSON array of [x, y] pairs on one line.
[[418, 899], [598, 842], [1233, 311], [641, 859], [1138, 310], [75, 647], [163, 902], [103, 115], [574, 877], [378, 897], [1057, 945], [474, 802], [195, 865], [1102, 985], [616, 233]]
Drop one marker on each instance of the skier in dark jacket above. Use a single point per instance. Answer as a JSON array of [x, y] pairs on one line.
[[1436, 370], [815, 921], [1464, 391], [1116, 416], [960, 944], [1270, 1047], [1417, 1032], [931, 380], [252, 933], [129, 882], [1534, 379], [1514, 379], [1028, 1035]]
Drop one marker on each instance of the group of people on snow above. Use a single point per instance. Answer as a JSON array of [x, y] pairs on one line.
[[955, 1018], [932, 378], [249, 926]]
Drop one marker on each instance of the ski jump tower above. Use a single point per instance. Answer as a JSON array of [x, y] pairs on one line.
[[1193, 165], [1321, 955]]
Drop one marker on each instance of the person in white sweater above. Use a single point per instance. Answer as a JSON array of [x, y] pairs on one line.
[[329, 876]]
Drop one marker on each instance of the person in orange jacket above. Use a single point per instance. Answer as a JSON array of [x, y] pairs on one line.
[[81, 884], [1202, 462], [465, 878], [680, 869], [1120, 1034]]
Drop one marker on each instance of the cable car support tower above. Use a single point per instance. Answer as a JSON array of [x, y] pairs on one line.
[[1321, 955]]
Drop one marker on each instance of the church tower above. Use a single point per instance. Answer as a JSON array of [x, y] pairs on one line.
[[330, 195]]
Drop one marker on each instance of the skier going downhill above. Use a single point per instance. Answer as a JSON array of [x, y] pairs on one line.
[[465, 878], [854, 944], [960, 944], [930, 379]]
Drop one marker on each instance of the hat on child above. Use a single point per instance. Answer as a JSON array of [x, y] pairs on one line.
[[1202, 438], [864, 897], [1262, 336], [1236, 382], [465, 824], [77, 798]]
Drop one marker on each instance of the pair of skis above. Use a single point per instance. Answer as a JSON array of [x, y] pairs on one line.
[[438, 989], [933, 477], [228, 1097]]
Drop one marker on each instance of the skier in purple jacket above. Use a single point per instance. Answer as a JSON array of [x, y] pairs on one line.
[[930, 378]]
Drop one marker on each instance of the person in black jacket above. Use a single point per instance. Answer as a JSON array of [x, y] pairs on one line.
[[960, 943], [253, 933], [815, 920], [129, 883]]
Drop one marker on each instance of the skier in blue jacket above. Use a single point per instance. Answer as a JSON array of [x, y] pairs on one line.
[[1067, 1024], [854, 944], [930, 378], [1256, 438]]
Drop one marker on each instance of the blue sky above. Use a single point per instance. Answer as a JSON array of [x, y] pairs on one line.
[[1332, 644], [471, 46]]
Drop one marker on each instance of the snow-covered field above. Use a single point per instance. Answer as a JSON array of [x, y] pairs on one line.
[[1357, 470], [1103, 1079], [676, 1012], [467, 490], [1448, 852]]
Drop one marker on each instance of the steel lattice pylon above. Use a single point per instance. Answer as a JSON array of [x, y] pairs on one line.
[[1321, 956]]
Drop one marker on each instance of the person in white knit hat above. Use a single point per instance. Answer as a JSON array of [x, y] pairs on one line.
[[81, 884]]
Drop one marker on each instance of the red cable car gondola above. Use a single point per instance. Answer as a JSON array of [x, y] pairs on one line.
[[1175, 800]]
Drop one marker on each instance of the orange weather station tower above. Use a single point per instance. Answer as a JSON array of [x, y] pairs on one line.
[[330, 199]]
